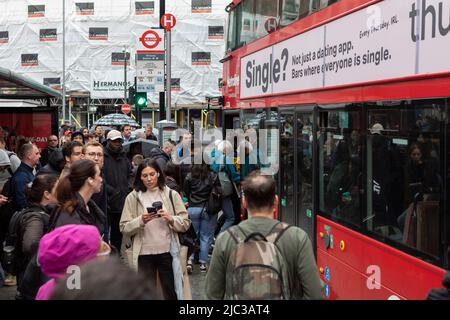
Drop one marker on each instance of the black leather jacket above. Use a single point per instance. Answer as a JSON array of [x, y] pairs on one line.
[[197, 191]]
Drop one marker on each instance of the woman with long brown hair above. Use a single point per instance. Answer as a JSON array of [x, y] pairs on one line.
[[151, 218], [74, 193]]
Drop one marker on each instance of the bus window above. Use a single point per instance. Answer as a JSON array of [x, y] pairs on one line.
[[246, 23], [292, 10], [265, 11], [340, 166], [231, 31], [320, 4], [405, 177]]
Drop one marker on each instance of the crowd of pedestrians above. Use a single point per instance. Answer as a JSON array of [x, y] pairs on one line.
[[86, 201]]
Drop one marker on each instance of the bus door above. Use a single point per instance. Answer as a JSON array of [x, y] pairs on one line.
[[296, 171]]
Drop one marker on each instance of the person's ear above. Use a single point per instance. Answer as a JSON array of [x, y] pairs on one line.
[[276, 201], [47, 195], [244, 202]]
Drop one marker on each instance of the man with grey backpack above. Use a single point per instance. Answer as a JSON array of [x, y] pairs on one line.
[[262, 258]]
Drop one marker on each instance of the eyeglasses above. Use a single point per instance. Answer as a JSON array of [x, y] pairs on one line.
[[93, 154], [52, 140]]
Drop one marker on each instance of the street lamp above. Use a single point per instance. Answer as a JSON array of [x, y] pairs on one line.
[[125, 51]]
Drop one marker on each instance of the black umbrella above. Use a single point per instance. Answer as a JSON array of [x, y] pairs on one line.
[[116, 119], [140, 146]]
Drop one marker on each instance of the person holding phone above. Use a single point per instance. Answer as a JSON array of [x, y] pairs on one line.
[[151, 218]]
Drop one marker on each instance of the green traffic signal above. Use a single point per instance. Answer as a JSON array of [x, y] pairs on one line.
[[141, 100]]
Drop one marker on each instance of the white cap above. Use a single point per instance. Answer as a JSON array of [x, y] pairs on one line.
[[114, 135]]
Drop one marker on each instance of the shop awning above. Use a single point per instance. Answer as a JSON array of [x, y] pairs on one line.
[[15, 86]]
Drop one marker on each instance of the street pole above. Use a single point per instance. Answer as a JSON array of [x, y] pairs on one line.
[[125, 74], [64, 64], [168, 75]]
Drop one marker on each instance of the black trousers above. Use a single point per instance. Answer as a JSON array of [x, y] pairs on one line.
[[116, 235], [149, 265]]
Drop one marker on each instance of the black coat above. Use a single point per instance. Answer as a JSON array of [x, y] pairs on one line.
[[81, 215], [441, 293], [117, 172], [160, 157]]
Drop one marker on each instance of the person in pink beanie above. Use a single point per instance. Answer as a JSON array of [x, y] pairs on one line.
[[64, 247]]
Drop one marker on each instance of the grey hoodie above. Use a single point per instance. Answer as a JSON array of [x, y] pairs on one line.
[[4, 161]]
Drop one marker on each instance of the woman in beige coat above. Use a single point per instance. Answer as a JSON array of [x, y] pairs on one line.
[[151, 244]]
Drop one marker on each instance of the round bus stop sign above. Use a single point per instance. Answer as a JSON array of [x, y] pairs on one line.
[[168, 21], [150, 39], [126, 108]]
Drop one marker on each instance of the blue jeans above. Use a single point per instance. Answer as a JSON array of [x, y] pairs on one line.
[[227, 207], [204, 226]]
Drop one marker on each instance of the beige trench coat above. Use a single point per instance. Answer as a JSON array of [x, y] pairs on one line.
[[132, 228]]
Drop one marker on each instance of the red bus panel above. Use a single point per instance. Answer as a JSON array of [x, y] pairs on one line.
[[357, 267]]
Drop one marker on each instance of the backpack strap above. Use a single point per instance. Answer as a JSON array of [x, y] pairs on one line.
[[236, 235], [277, 231]]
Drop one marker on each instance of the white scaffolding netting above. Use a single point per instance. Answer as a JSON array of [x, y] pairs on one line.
[[96, 33]]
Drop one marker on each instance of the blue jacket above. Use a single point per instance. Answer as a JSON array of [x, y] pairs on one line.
[[23, 176], [228, 163]]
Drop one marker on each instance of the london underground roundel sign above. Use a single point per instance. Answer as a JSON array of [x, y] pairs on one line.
[[150, 39]]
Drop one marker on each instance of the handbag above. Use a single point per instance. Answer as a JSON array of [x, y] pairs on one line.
[[189, 237], [225, 182]]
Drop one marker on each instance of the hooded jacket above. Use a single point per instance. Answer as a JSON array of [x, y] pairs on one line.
[[4, 158], [65, 246], [4, 161]]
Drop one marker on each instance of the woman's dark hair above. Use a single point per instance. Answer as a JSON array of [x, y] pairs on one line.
[[138, 185], [200, 171], [107, 279], [77, 133], [42, 183], [173, 170], [66, 191]]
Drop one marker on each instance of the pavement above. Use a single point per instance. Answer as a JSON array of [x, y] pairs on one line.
[[7, 293], [196, 279]]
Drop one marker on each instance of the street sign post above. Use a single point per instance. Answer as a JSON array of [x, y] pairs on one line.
[[126, 108], [168, 21]]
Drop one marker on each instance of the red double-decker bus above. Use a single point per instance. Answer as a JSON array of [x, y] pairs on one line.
[[360, 93]]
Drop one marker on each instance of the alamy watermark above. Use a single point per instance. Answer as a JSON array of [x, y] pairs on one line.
[[260, 149]]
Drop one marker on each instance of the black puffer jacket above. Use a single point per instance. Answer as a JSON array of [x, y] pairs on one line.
[[117, 172], [197, 191]]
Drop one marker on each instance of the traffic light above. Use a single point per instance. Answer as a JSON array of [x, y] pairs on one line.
[[140, 100], [131, 94]]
